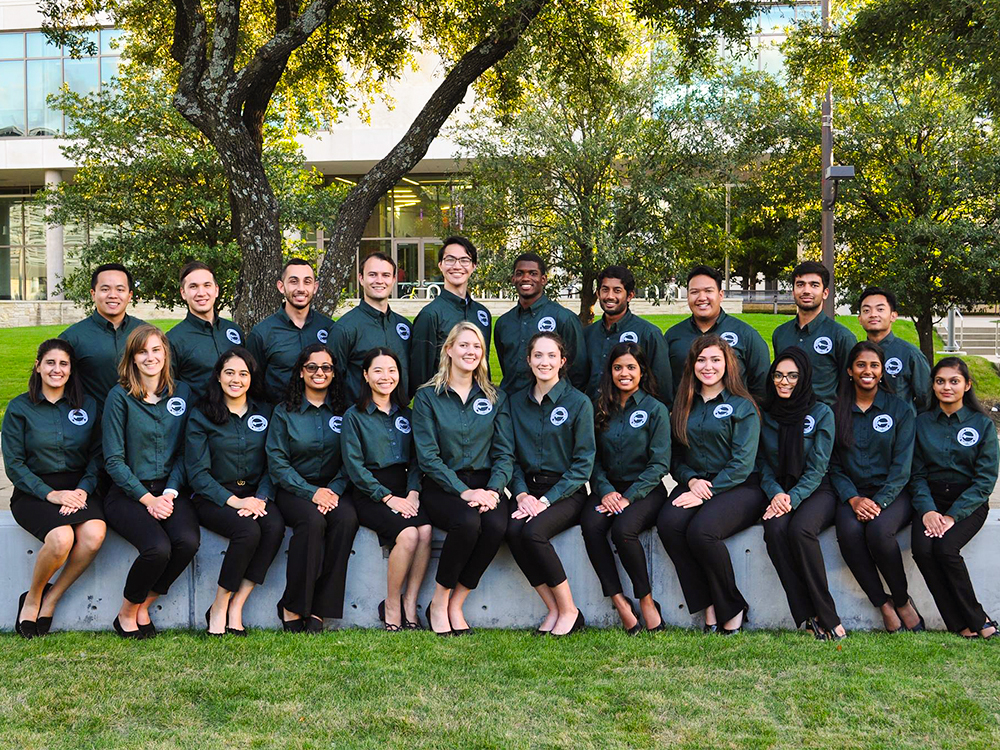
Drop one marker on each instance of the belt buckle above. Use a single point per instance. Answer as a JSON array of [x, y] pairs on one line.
[[240, 482]]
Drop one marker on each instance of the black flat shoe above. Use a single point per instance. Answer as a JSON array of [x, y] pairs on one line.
[[713, 628], [539, 632], [994, 634], [381, 611], [580, 624], [314, 625], [241, 632], [444, 633], [407, 623], [24, 628], [43, 624], [148, 630], [663, 623], [208, 620], [735, 631], [462, 631], [289, 626], [134, 635]]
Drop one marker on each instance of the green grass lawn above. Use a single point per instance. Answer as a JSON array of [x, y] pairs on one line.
[[499, 689]]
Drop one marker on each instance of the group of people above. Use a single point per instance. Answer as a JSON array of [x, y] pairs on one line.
[[372, 421]]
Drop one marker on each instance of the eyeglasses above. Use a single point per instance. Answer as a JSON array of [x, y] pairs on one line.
[[791, 377], [450, 261], [312, 367]]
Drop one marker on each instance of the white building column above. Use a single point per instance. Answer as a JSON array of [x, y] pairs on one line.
[[54, 254]]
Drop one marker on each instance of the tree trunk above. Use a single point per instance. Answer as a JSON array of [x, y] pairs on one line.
[[588, 296], [924, 324]]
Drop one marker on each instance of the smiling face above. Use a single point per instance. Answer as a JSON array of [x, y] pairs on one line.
[[866, 371], [710, 366], [809, 292], [786, 377], [200, 291], [382, 375], [376, 278], [545, 360], [876, 317], [704, 298], [529, 281], [466, 353], [950, 386], [612, 296], [111, 294], [456, 265], [626, 374], [298, 284], [317, 372], [234, 378], [150, 358], [54, 368]]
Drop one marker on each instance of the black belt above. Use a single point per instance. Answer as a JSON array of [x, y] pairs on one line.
[[241, 488], [544, 478]]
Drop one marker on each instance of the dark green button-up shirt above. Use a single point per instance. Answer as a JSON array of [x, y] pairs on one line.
[[881, 454], [818, 432], [303, 449], [600, 340], [514, 329], [47, 438], [722, 435], [230, 453], [276, 343], [635, 447], [451, 436], [906, 368], [827, 344], [144, 442], [99, 347], [958, 449], [374, 440], [361, 330], [748, 346], [432, 326], [555, 436], [196, 345]]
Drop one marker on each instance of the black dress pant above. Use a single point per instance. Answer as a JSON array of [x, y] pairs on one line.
[[625, 528], [318, 553], [375, 515], [472, 538], [793, 545], [695, 540], [165, 547], [940, 561], [530, 539], [253, 542], [870, 547]]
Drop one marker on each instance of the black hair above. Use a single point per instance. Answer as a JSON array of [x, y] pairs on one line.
[[194, 265], [532, 258], [213, 401], [296, 385], [807, 267], [73, 390], [377, 255], [366, 395], [703, 270], [875, 291], [621, 273], [464, 242], [969, 400], [844, 405], [111, 267], [608, 403], [296, 262]]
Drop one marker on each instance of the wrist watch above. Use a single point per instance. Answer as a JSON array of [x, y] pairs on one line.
[[544, 501]]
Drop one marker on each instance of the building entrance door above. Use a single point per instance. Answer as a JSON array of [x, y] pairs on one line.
[[417, 261]]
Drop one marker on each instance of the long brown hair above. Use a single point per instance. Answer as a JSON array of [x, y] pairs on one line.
[[128, 370], [72, 390], [732, 381]]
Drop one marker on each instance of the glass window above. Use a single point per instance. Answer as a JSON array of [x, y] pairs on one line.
[[12, 45], [772, 61], [82, 76], [39, 46], [111, 43], [109, 70], [12, 98], [44, 78], [773, 19], [35, 280], [91, 44], [10, 272]]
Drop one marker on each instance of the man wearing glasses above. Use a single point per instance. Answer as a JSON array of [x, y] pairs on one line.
[[457, 260]]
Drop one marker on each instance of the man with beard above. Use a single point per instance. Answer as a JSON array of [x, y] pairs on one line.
[[906, 368], [615, 290], [276, 341], [825, 341], [536, 313]]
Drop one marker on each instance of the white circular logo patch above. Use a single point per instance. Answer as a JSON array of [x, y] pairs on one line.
[[257, 423], [403, 425], [823, 345], [730, 338], [233, 335], [808, 425], [968, 437], [547, 324], [558, 416], [176, 406], [882, 423], [482, 406], [638, 419], [335, 423], [484, 318], [629, 336], [403, 331], [722, 411], [78, 417], [894, 365], [322, 334]]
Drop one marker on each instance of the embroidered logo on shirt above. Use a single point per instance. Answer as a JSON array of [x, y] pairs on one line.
[[403, 425], [322, 335], [630, 336], [257, 423], [882, 423], [79, 417], [558, 416], [894, 365], [335, 423], [233, 335], [638, 419], [176, 406], [482, 406], [722, 411], [547, 324], [823, 345], [968, 436], [730, 338], [403, 331], [809, 424], [484, 318]]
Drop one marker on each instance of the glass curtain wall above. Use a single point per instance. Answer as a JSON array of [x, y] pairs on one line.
[[22, 249]]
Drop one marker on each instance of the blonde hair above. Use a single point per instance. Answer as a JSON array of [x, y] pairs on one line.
[[482, 373], [128, 371]]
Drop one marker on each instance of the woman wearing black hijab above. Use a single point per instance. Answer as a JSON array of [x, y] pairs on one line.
[[796, 441]]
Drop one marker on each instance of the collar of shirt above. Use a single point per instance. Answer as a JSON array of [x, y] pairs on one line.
[[813, 326], [622, 322], [306, 404], [454, 299], [553, 395], [201, 322], [103, 322], [962, 415], [722, 398], [448, 390], [881, 398], [715, 325], [283, 316], [887, 339], [374, 312], [534, 308], [373, 407]]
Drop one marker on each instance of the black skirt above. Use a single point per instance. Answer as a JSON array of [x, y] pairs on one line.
[[379, 517], [38, 516]]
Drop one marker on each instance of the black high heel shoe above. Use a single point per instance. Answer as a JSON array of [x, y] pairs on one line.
[[637, 628], [289, 626], [445, 633], [663, 623], [920, 627], [208, 625], [133, 635], [580, 624], [24, 628]]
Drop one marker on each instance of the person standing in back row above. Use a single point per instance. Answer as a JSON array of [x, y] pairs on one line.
[[456, 260], [277, 340], [826, 341], [536, 313]]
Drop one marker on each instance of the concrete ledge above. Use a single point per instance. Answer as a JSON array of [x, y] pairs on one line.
[[503, 600]]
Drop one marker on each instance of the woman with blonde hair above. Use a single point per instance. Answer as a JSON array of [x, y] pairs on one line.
[[144, 422], [465, 450]]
